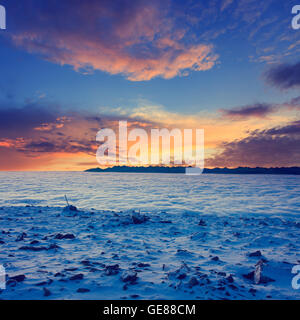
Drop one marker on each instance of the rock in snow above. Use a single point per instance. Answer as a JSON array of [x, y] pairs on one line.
[[255, 254], [138, 218], [129, 276], [181, 260], [47, 292], [202, 223], [70, 208], [256, 276], [83, 290], [78, 276], [18, 278], [21, 236], [60, 236], [112, 270]]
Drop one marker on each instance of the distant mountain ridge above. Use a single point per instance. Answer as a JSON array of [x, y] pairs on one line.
[[239, 170]]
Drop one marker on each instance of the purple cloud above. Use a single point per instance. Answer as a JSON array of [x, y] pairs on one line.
[[259, 110], [269, 148], [36, 129], [284, 76], [20, 121], [290, 129], [136, 38]]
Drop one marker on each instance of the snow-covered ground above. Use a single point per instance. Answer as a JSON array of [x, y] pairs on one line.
[[49, 253]]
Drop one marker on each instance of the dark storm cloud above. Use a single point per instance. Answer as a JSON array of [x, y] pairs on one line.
[[284, 76], [47, 145], [18, 122], [259, 110], [291, 129], [278, 146], [43, 128]]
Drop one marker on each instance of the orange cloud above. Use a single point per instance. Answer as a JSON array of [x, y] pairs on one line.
[[143, 43]]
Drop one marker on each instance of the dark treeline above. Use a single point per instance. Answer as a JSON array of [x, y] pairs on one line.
[[239, 170]]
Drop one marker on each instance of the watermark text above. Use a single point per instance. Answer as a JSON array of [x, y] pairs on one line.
[[296, 18], [296, 278], [153, 147], [2, 277], [2, 17]]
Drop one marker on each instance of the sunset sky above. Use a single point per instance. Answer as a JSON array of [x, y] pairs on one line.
[[70, 68]]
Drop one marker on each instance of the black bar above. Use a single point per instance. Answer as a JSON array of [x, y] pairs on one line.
[[166, 309]]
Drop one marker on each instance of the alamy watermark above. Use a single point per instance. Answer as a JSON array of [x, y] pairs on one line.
[[2, 277], [135, 147], [296, 18], [296, 278], [2, 17]]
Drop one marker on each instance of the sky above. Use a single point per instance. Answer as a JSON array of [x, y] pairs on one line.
[[71, 68]]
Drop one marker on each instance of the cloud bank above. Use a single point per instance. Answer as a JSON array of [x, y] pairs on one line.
[[284, 76], [259, 110], [279, 146], [136, 38]]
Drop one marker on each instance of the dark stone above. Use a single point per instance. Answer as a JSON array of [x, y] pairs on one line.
[[253, 291], [34, 242], [265, 280], [78, 276], [262, 280], [249, 276], [215, 258], [193, 282], [255, 254], [129, 276], [44, 283], [47, 292], [21, 236], [143, 265], [223, 274], [18, 278], [112, 270], [139, 219], [27, 248], [70, 269], [263, 223], [58, 274], [70, 208], [82, 290], [53, 246], [60, 236], [86, 262], [181, 276], [202, 223], [233, 287]]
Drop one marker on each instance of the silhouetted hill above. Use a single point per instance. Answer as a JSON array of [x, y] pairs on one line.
[[239, 170]]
